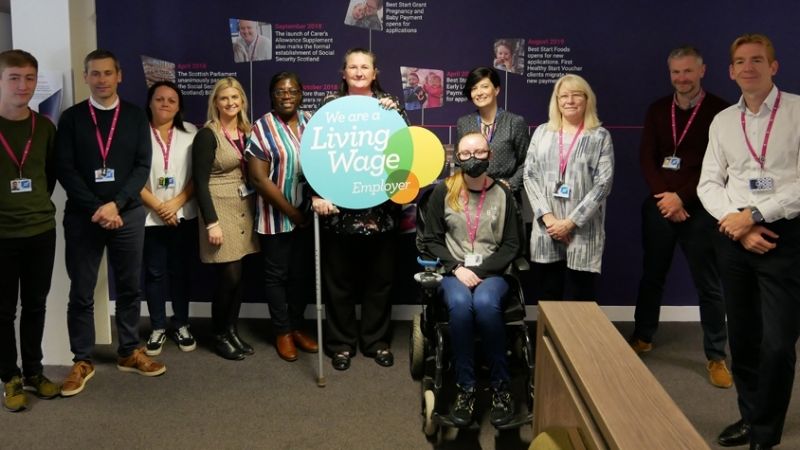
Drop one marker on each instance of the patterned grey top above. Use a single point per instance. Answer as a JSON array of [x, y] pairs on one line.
[[589, 174], [509, 145]]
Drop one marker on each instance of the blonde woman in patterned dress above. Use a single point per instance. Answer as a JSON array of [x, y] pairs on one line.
[[568, 175], [226, 208]]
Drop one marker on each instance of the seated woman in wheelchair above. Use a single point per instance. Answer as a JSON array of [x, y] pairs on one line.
[[471, 225]]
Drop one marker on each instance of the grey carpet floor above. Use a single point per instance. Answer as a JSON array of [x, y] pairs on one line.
[[265, 403]]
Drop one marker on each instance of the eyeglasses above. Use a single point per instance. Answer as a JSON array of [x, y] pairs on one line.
[[285, 92], [464, 155], [573, 96]]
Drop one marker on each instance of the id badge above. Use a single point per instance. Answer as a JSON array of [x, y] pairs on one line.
[[21, 185], [562, 191], [762, 184], [244, 190], [472, 260], [166, 182], [671, 163], [103, 175]]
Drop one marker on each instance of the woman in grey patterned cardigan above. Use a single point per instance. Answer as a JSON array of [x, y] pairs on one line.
[[568, 173]]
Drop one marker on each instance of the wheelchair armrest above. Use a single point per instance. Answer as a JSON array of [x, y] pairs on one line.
[[521, 264]]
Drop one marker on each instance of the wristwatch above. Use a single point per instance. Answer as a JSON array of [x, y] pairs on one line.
[[756, 214]]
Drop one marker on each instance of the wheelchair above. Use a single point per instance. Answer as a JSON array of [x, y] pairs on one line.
[[430, 358]]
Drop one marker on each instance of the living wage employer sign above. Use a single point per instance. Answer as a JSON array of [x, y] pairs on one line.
[[357, 154]]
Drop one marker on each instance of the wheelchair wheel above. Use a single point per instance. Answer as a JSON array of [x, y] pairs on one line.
[[417, 348], [429, 427]]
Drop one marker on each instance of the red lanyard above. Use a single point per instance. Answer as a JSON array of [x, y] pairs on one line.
[[25, 152], [472, 228], [763, 157], [164, 147], [239, 147], [562, 157], [675, 140], [104, 149]]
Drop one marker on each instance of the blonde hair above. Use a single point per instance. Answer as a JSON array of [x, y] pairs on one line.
[[242, 122], [577, 83], [754, 38]]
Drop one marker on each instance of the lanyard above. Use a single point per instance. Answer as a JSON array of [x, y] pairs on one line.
[[104, 149], [763, 157], [164, 147], [488, 130], [562, 157], [472, 228], [25, 152], [253, 48], [675, 140], [238, 144]]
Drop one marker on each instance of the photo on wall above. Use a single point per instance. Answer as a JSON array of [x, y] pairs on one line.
[[509, 55], [422, 88], [157, 70], [251, 40], [365, 14]]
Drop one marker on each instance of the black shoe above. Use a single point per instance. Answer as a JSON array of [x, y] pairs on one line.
[[755, 446], [236, 340], [464, 406], [502, 406], [341, 361], [225, 348], [384, 357], [734, 435]]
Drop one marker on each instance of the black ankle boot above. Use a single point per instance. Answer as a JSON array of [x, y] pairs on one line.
[[236, 340], [225, 348]]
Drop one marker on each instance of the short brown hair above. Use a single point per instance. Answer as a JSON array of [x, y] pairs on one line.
[[754, 38], [17, 58], [99, 54]]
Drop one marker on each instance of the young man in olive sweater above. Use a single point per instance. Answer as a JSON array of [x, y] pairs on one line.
[[103, 154], [27, 228]]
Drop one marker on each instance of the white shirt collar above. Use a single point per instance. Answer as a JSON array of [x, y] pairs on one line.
[[769, 102], [97, 104]]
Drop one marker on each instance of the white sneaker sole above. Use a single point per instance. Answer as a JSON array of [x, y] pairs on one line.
[[155, 352], [187, 348], [79, 389]]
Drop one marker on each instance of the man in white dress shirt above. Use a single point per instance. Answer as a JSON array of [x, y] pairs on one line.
[[750, 182]]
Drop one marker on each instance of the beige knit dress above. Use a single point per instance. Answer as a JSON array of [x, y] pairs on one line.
[[235, 214]]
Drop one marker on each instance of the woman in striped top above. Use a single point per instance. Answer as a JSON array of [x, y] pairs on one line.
[[274, 170]]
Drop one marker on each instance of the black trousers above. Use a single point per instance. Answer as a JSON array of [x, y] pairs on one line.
[[358, 269], [26, 269], [559, 282], [762, 299], [85, 242], [288, 277], [695, 237]]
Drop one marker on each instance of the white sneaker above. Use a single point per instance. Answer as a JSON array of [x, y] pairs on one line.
[[184, 338]]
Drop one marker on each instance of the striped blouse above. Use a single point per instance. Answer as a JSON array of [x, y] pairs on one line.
[[274, 141], [589, 174]]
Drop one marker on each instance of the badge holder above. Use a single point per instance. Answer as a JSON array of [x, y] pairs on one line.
[[762, 184], [21, 185], [472, 260], [562, 191], [166, 182], [671, 163], [103, 175]]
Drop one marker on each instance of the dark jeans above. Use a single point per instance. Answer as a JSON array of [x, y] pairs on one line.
[[26, 268], [559, 282], [169, 255], [85, 242], [358, 269], [695, 236], [288, 277], [762, 299], [481, 310]]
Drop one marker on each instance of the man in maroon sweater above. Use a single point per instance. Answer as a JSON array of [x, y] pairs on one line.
[[674, 142]]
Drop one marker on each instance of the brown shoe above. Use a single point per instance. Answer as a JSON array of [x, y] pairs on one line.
[[285, 346], [639, 346], [139, 362], [719, 375], [305, 341], [81, 372]]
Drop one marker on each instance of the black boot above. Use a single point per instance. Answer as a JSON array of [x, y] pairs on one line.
[[236, 340], [225, 348]]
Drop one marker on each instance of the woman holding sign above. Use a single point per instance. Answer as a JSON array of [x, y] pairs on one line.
[[472, 227], [507, 133], [568, 175], [171, 224], [273, 162], [226, 208], [359, 246]]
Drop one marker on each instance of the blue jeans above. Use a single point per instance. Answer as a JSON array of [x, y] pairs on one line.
[[481, 308]]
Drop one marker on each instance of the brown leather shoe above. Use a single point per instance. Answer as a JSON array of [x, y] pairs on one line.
[[139, 362], [719, 375], [639, 346], [81, 372], [285, 346], [305, 341]]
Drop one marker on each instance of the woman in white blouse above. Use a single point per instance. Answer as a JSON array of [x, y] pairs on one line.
[[171, 226], [568, 173]]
